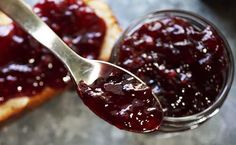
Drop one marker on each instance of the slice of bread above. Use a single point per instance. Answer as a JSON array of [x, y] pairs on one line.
[[17, 106]]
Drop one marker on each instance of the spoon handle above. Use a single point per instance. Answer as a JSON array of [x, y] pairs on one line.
[[21, 13]]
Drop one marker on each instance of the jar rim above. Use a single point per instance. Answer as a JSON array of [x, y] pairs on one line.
[[214, 107]]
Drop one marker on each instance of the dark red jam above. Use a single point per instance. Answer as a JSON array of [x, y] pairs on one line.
[[122, 101], [26, 67], [75, 23], [186, 66]]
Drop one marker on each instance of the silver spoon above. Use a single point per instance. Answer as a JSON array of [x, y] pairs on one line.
[[80, 68]]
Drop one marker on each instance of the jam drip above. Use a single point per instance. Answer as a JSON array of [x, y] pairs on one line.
[[185, 65], [120, 100], [26, 67]]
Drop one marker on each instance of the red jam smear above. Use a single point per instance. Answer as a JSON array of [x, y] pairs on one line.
[[26, 67], [118, 98], [184, 65], [76, 23]]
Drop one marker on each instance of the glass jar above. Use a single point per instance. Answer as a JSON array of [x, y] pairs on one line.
[[172, 124]]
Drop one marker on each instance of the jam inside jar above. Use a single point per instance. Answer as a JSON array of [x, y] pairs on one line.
[[184, 59]]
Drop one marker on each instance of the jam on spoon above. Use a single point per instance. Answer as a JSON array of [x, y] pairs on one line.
[[122, 101], [185, 65], [27, 67]]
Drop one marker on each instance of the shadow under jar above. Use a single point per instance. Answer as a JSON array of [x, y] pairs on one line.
[[185, 59]]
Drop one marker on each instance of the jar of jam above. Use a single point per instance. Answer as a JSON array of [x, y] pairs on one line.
[[186, 61]]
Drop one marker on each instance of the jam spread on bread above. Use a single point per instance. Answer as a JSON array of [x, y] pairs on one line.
[[26, 67], [186, 66]]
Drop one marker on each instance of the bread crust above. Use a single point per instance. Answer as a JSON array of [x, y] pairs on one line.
[[17, 106]]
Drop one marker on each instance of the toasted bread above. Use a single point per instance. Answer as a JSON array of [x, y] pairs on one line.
[[19, 105]]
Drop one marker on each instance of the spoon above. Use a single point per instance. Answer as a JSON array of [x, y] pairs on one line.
[[111, 92]]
